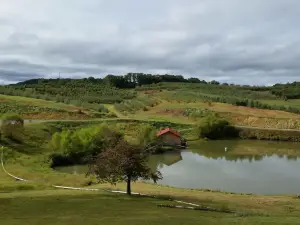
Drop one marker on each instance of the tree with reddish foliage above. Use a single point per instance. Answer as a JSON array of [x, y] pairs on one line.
[[124, 162]]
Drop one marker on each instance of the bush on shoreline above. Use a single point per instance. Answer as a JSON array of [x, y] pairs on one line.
[[76, 147], [212, 127]]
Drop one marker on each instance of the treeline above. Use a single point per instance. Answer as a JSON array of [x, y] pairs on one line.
[[133, 80], [130, 80], [138, 79], [284, 91], [287, 91]]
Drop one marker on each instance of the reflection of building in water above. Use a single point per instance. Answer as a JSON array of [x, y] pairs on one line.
[[170, 159], [159, 161]]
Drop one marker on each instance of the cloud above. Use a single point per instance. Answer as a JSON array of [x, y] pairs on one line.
[[252, 42]]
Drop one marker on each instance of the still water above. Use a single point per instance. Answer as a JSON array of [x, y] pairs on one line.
[[257, 167]]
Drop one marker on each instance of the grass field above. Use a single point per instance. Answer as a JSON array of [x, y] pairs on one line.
[[65, 207], [35, 203], [78, 207]]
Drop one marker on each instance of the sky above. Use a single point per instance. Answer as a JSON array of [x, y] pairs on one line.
[[236, 41]]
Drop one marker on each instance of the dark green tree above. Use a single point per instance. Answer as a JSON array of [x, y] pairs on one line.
[[212, 127], [123, 162]]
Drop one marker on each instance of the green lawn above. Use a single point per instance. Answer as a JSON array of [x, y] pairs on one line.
[[74, 207]]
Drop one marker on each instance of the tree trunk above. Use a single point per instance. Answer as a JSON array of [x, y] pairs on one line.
[[129, 185]]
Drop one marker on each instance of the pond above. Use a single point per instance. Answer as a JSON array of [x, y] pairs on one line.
[[258, 167]]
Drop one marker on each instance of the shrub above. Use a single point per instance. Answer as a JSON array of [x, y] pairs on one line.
[[12, 127], [212, 127], [76, 147], [197, 113], [146, 134]]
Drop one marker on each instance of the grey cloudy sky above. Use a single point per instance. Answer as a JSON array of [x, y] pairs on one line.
[[240, 41]]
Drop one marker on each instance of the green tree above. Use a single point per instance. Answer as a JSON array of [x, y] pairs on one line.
[[146, 135], [12, 126], [78, 146], [212, 127], [123, 162], [55, 142]]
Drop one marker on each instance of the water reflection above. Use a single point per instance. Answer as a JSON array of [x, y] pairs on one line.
[[247, 166], [246, 150], [159, 161]]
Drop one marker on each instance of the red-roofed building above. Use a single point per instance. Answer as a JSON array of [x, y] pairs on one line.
[[170, 137]]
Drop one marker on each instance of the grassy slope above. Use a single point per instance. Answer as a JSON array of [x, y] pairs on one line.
[[60, 110], [237, 115], [291, 102], [38, 102]]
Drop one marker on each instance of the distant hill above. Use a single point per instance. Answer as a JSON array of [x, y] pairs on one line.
[[132, 80], [132, 92]]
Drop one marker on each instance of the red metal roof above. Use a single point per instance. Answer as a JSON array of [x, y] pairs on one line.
[[164, 131]]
